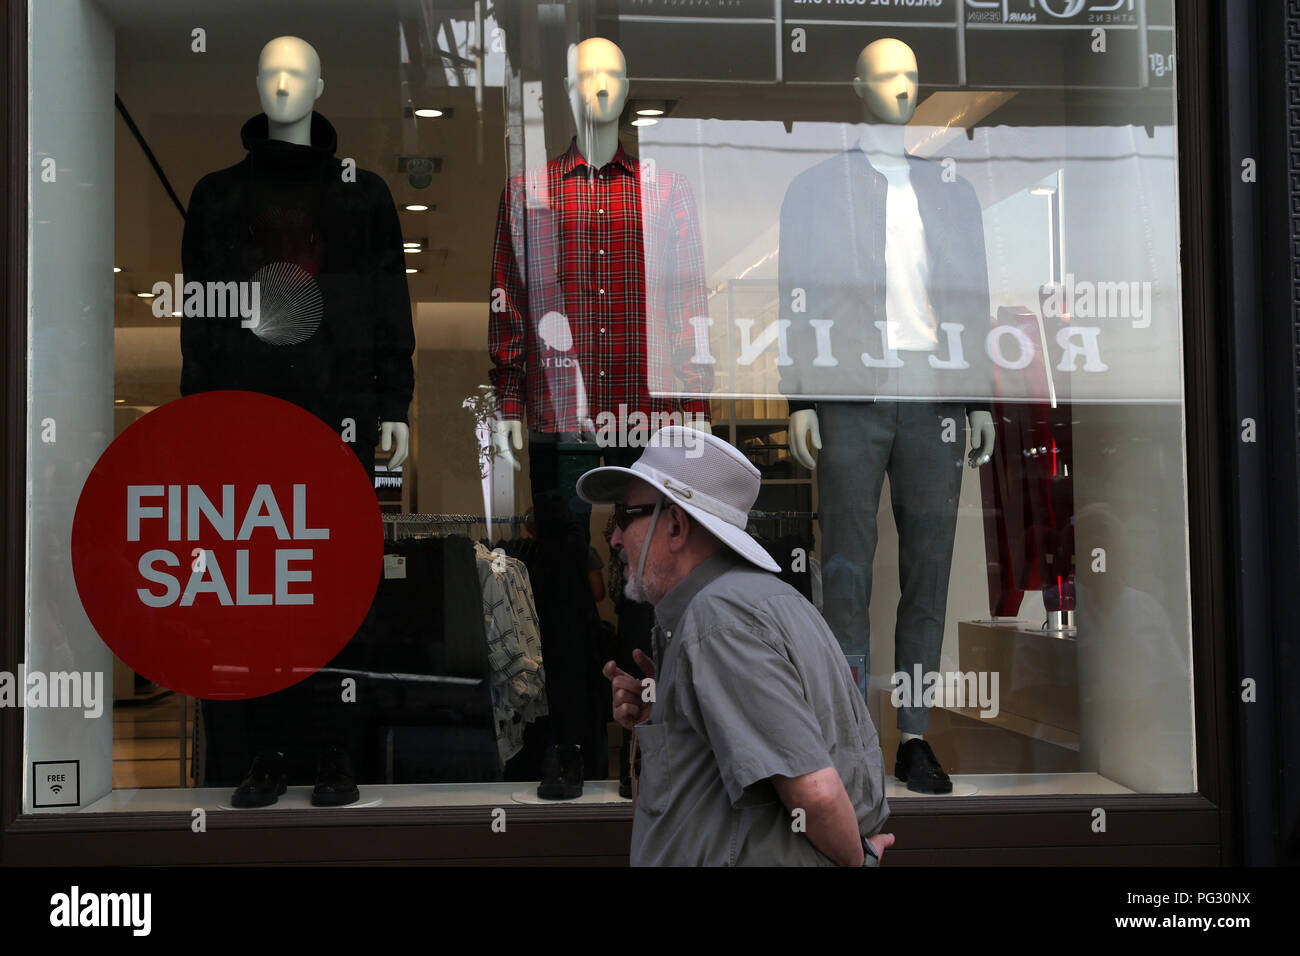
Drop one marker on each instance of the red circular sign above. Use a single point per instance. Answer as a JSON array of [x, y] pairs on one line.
[[227, 545]]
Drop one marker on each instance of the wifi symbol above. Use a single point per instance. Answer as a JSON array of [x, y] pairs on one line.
[[56, 788]]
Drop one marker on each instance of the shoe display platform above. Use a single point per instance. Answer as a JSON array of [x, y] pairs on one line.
[[299, 798], [593, 791], [894, 790]]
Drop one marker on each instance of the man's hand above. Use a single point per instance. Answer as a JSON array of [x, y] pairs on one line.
[[879, 842], [629, 708]]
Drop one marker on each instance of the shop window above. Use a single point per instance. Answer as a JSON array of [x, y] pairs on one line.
[[329, 310]]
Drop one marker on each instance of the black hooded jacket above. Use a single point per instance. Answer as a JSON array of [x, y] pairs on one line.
[[334, 334]]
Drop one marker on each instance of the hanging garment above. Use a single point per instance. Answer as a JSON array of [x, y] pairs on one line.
[[514, 648], [791, 552], [835, 253], [1028, 488], [334, 333], [566, 612], [601, 272]]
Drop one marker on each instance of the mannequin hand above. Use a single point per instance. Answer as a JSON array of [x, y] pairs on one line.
[[803, 424], [981, 438], [402, 432], [508, 432]]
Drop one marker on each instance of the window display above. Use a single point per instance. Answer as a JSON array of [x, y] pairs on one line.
[[918, 264]]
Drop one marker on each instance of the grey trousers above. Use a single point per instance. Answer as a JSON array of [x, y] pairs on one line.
[[861, 443]]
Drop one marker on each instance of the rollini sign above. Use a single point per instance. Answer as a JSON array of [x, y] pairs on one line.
[[1086, 340]]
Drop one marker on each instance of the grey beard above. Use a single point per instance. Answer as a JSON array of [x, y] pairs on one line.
[[640, 591], [633, 591]]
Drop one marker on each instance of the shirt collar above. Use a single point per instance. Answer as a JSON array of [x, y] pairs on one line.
[[672, 606], [573, 159], [909, 160]]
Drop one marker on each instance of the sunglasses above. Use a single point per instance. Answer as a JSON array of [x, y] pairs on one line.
[[624, 515]]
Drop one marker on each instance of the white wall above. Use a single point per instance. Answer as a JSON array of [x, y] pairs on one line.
[[70, 330]]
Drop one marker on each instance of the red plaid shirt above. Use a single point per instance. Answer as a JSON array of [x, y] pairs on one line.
[[595, 276]]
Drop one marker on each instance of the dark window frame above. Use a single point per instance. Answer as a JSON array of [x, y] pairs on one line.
[[1176, 829]]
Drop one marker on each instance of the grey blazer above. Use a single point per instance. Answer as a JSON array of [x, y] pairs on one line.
[[833, 249]]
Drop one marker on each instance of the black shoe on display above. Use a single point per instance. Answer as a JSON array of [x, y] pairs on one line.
[[265, 781], [562, 775], [918, 767], [336, 784]]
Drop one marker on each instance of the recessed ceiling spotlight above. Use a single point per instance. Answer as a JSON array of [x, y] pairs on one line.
[[410, 271], [429, 113], [645, 121], [416, 207], [117, 268], [145, 295], [649, 111]]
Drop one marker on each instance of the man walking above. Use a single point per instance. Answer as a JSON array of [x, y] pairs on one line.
[[755, 743]]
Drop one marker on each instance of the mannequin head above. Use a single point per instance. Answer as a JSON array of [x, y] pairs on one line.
[[597, 82], [887, 81], [288, 79]]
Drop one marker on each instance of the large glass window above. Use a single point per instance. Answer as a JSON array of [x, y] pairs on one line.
[[330, 305]]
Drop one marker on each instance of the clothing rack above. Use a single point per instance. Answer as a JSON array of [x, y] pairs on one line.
[[779, 518], [402, 525]]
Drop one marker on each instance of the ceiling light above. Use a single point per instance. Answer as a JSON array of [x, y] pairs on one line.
[[176, 314], [649, 111], [429, 113], [119, 401], [145, 295], [416, 207], [645, 121], [411, 271], [117, 268]]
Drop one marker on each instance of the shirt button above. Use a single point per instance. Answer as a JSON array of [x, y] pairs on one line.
[[668, 633], [602, 330], [602, 373], [600, 211], [600, 252], [602, 291]]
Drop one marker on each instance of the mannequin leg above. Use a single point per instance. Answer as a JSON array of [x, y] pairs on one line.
[[925, 475], [856, 439]]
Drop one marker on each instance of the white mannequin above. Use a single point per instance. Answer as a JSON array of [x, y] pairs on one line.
[[289, 84], [597, 87], [886, 83]]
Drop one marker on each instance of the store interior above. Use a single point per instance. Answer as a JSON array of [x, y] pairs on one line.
[[1093, 703]]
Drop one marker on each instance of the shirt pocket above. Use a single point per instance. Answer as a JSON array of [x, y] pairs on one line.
[[655, 784]]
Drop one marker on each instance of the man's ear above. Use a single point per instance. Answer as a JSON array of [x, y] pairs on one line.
[[680, 528]]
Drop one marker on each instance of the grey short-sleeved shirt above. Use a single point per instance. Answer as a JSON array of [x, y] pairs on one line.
[[750, 682]]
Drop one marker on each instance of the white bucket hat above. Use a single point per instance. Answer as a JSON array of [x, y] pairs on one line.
[[700, 473]]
